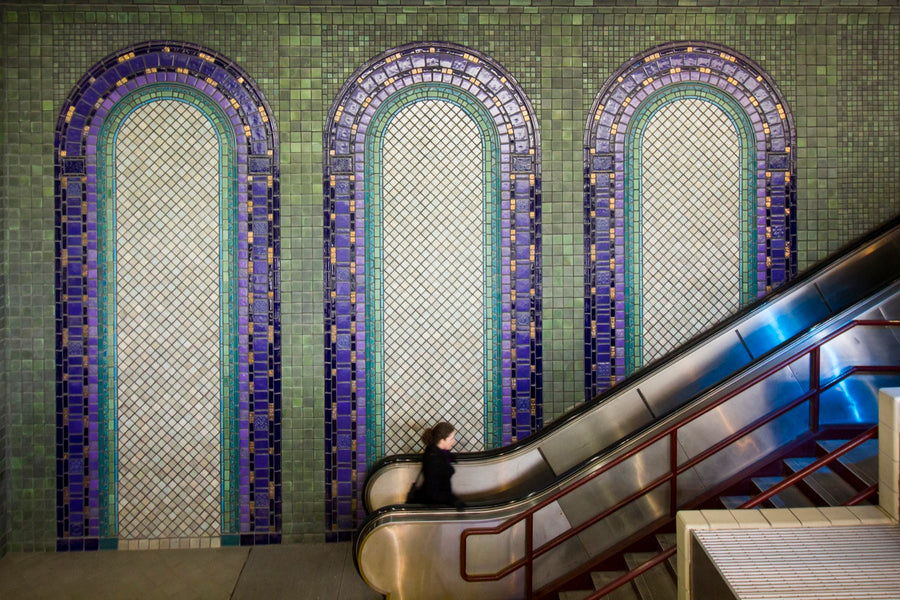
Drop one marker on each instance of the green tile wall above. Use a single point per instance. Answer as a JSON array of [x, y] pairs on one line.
[[835, 61]]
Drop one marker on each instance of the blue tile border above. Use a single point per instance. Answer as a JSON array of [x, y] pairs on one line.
[[346, 192], [255, 302], [607, 159]]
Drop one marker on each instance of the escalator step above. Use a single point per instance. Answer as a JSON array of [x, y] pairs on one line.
[[825, 483], [788, 498], [862, 461], [655, 584], [625, 592]]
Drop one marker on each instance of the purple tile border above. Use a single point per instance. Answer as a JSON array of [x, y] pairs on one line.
[[345, 195], [605, 166], [79, 273]]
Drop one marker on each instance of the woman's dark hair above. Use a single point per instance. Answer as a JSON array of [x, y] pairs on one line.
[[437, 433]]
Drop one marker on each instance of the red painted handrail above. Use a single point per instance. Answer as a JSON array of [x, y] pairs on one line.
[[633, 574], [811, 468], [531, 553], [755, 501]]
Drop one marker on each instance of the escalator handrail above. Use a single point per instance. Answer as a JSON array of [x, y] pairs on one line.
[[669, 431]]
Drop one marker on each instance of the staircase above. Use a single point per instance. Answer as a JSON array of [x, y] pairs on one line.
[[833, 485]]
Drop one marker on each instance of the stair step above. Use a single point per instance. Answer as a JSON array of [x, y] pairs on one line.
[[825, 483], [862, 461], [655, 584], [575, 594], [666, 541], [732, 502], [624, 592], [787, 498]]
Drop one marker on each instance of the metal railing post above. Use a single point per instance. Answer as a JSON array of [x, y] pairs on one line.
[[673, 472], [529, 553], [815, 387]]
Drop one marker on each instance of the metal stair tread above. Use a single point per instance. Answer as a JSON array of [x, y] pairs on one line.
[[575, 594], [787, 498], [666, 541], [862, 461], [655, 584], [625, 592], [732, 502], [828, 485]]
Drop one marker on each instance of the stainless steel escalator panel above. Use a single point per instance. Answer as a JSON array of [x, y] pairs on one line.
[[626, 521], [855, 400], [864, 345], [597, 538], [595, 430], [705, 365], [761, 399], [742, 454], [506, 476], [613, 486], [861, 273], [793, 314], [417, 557], [418, 553], [391, 485], [800, 371], [889, 309]]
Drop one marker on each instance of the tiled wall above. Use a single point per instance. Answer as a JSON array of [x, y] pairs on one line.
[[835, 62]]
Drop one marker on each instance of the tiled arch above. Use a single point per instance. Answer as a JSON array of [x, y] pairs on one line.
[[249, 192], [443, 70], [762, 118]]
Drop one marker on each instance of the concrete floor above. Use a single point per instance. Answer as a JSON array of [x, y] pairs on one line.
[[298, 571]]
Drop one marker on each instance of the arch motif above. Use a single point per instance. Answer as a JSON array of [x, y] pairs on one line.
[[249, 192], [374, 342], [493, 98], [736, 85]]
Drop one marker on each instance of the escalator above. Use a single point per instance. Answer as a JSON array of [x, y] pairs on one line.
[[810, 356]]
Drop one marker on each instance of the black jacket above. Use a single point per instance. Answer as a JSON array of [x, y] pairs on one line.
[[437, 469]]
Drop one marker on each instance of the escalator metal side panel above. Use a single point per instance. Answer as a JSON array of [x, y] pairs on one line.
[[870, 346], [762, 398], [505, 476], [391, 484], [791, 315], [612, 487], [742, 454], [712, 361], [595, 430], [889, 309], [855, 400], [525, 468], [411, 560], [861, 273], [618, 526]]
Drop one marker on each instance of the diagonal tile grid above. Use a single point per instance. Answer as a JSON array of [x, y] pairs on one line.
[[690, 200], [167, 314], [433, 276]]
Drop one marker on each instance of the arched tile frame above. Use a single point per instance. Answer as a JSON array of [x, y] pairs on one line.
[[252, 407], [608, 158], [346, 193]]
